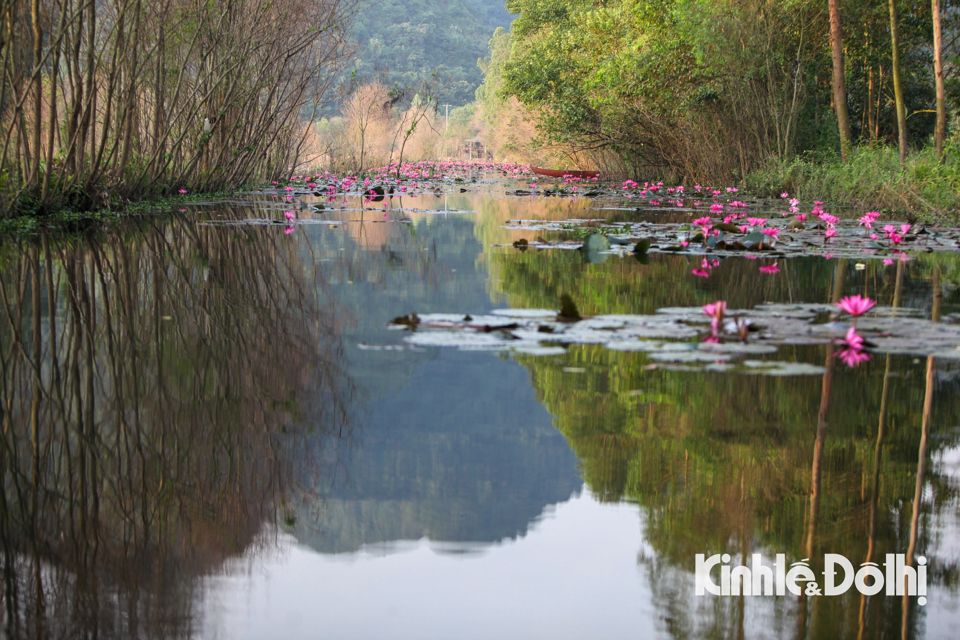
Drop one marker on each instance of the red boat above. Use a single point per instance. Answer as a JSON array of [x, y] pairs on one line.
[[561, 173]]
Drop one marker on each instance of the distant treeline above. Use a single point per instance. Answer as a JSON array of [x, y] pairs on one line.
[[708, 89], [127, 99]]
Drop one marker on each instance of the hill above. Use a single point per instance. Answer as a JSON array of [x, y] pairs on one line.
[[409, 40]]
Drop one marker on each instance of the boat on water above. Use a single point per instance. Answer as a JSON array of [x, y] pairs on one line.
[[561, 173]]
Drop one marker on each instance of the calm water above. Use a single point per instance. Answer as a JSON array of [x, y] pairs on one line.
[[209, 431]]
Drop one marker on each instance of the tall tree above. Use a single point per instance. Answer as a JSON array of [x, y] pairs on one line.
[[940, 132], [897, 85], [839, 83]]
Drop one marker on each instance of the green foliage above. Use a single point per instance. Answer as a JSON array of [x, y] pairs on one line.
[[706, 90], [872, 180], [410, 40]]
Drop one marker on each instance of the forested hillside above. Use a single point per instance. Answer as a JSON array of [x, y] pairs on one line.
[[409, 40]]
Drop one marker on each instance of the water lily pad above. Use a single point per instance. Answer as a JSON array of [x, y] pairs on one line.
[[688, 355], [526, 313], [782, 368]]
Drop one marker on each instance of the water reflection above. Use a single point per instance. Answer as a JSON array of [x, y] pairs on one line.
[[186, 401], [163, 391], [741, 464]]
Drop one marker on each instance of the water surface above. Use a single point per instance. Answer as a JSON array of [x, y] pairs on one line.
[[211, 431]]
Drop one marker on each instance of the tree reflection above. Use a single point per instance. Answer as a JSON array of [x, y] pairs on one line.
[[725, 463], [165, 392]]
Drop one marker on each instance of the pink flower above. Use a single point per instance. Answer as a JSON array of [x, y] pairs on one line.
[[289, 230], [856, 305], [772, 268], [703, 273], [829, 233], [829, 219], [801, 217], [182, 191], [701, 221], [888, 261], [772, 232], [904, 229], [853, 357], [716, 310], [784, 195], [852, 340], [684, 243], [290, 215], [743, 228], [757, 222]]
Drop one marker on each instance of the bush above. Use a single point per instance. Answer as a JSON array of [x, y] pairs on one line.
[[872, 180]]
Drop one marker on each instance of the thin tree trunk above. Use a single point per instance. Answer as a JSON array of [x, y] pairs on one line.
[[940, 132], [839, 84], [897, 87]]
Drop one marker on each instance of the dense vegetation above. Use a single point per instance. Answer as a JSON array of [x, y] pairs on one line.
[[408, 41], [699, 89], [127, 99]]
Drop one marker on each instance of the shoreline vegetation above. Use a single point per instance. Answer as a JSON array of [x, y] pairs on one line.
[[856, 105], [101, 103], [106, 108]]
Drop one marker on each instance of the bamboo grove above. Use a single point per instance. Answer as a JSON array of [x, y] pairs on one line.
[[130, 99]]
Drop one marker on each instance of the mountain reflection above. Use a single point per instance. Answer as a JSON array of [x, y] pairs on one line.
[[165, 391], [453, 447]]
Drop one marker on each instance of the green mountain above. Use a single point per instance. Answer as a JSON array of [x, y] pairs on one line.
[[407, 41]]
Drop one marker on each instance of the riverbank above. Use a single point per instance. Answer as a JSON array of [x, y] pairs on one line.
[[74, 220], [873, 180]]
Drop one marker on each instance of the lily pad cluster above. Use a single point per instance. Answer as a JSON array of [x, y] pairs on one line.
[[686, 338], [771, 239]]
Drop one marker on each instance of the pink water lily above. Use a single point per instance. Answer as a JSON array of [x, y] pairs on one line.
[[856, 305], [716, 310], [770, 268], [852, 340], [853, 357]]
